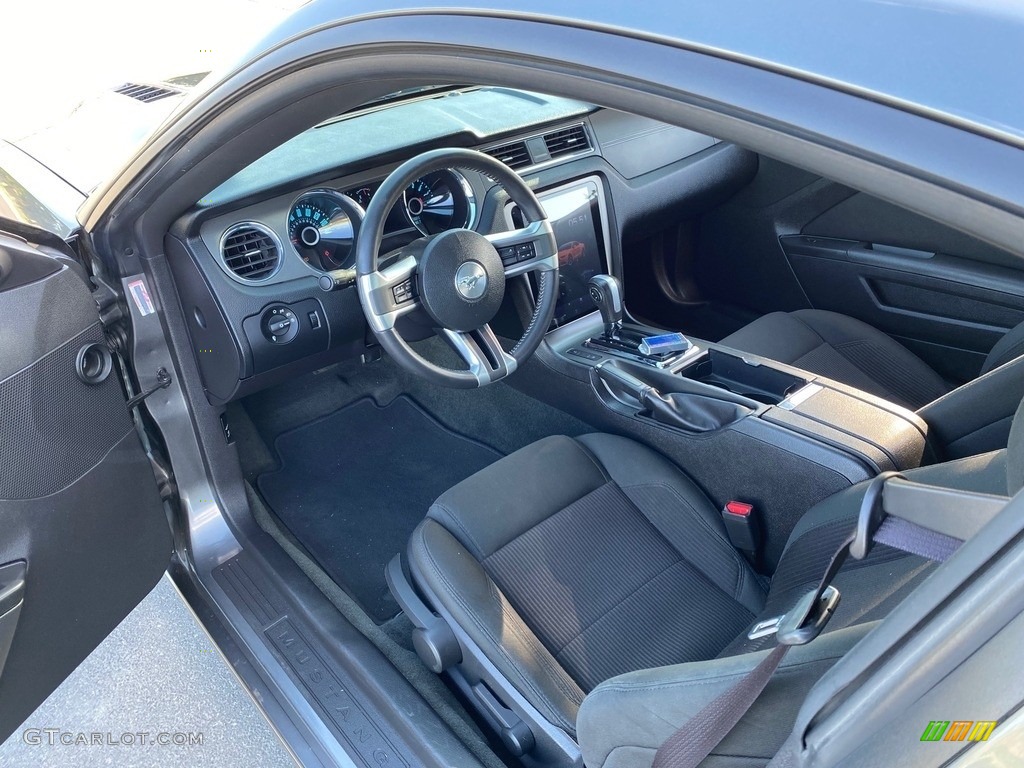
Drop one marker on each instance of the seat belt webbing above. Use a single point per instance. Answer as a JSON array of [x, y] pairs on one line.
[[694, 741]]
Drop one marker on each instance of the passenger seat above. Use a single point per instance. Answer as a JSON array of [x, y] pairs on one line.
[[857, 354]]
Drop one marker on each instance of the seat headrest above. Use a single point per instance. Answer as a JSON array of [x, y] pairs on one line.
[[1015, 453]]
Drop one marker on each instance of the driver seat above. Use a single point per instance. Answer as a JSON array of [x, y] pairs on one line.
[[584, 596]]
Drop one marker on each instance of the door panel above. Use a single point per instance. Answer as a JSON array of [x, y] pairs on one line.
[[948, 310], [863, 217], [792, 240], [82, 527]]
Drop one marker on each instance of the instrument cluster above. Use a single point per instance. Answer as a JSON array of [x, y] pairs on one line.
[[323, 223]]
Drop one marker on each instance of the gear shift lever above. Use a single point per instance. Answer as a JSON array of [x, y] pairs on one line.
[[632, 342], [606, 291]]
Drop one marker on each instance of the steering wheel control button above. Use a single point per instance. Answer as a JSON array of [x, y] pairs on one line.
[[279, 325], [461, 280], [404, 291], [508, 255], [471, 280], [525, 252]]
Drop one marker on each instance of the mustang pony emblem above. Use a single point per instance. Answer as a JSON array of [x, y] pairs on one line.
[[471, 280]]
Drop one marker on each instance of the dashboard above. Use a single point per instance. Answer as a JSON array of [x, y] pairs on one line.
[[250, 254]]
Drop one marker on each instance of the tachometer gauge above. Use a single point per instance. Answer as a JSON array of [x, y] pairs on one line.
[[440, 200], [322, 227]]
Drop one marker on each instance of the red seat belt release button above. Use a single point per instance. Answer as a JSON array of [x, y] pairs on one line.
[[742, 526], [739, 508]]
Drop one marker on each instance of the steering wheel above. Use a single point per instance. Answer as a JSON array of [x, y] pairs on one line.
[[456, 277]]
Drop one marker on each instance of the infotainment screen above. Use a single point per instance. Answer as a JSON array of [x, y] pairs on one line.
[[576, 213]]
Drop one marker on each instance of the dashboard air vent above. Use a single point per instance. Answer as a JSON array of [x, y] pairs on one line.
[[146, 93], [250, 251], [514, 154], [567, 141]]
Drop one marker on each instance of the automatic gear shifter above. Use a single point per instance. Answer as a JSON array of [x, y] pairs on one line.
[[606, 291]]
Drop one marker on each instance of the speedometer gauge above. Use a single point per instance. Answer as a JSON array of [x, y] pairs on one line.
[[439, 201], [322, 227]]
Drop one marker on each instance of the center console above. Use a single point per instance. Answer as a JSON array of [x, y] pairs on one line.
[[879, 434], [742, 427]]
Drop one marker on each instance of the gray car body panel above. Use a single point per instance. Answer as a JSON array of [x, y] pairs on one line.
[[957, 59]]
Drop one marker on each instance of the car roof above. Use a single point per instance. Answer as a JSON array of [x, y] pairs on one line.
[[957, 60]]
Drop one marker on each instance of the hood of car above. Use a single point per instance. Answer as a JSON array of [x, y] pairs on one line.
[[46, 174], [99, 135], [81, 117]]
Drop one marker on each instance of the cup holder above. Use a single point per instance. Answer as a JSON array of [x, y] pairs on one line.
[[734, 374]]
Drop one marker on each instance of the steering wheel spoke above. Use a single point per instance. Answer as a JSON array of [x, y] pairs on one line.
[[526, 249], [390, 293], [482, 352]]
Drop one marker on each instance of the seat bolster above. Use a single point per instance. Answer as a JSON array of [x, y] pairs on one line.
[[624, 720], [1008, 348], [984, 473], [870, 587], [450, 576], [504, 500], [680, 511]]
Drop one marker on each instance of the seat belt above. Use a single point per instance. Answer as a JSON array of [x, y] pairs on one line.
[[924, 520]]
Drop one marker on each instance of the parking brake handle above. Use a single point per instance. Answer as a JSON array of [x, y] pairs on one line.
[[682, 410], [620, 379]]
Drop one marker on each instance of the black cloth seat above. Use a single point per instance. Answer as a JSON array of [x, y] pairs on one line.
[[574, 563], [855, 353]]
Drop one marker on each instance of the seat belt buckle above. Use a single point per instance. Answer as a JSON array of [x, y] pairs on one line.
[[808, 617], [742, 527]]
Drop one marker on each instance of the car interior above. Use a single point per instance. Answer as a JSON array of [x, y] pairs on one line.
[[550, 542], [568, 520]]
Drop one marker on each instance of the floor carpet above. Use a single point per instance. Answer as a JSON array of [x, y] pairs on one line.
[[352, 486]]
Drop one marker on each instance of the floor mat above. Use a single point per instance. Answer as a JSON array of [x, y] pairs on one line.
[[354, 484]]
